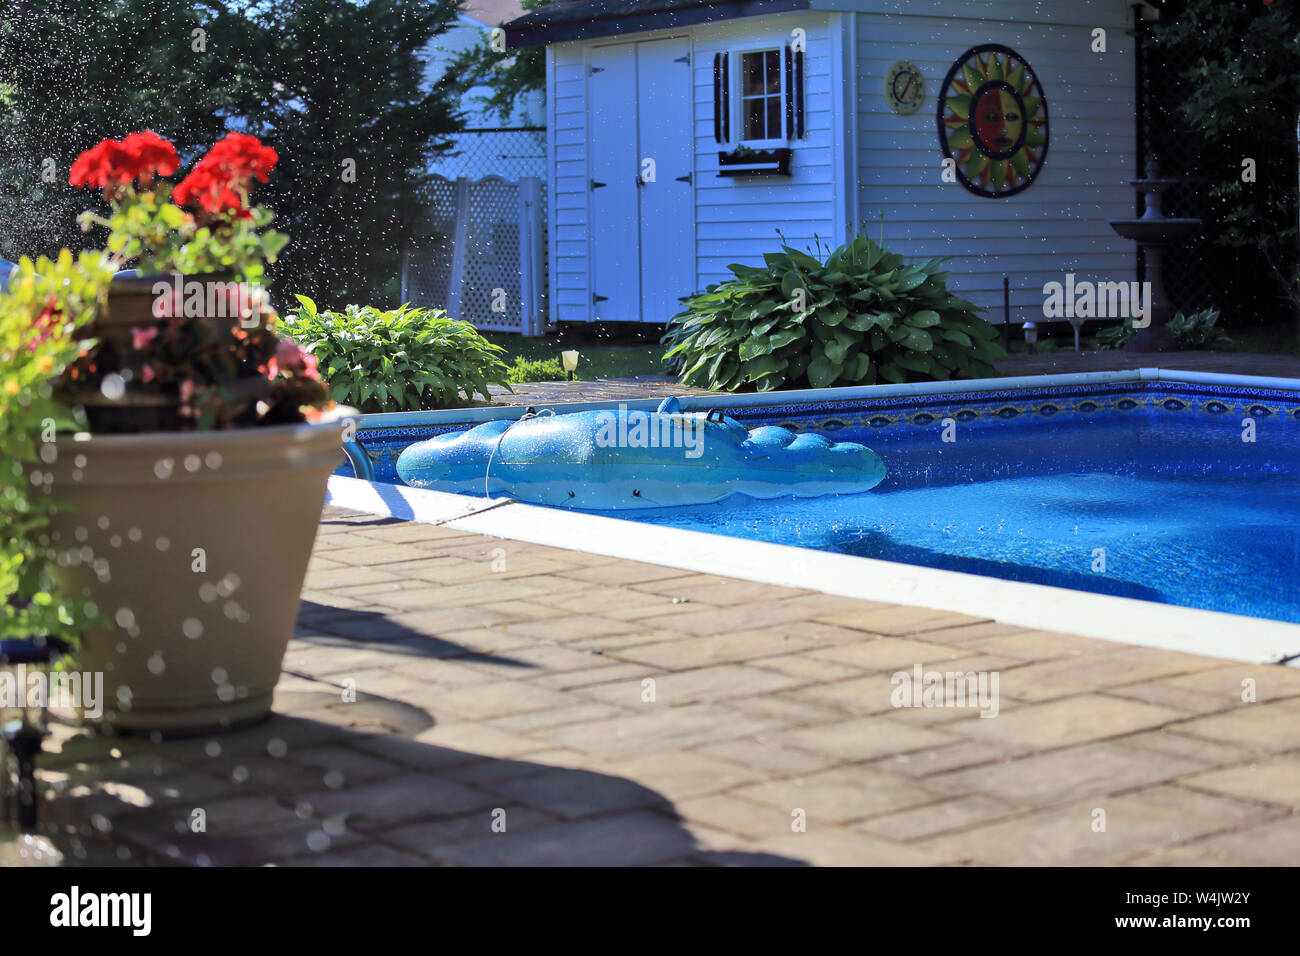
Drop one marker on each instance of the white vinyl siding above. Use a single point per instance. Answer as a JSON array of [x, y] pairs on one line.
[[736, 219], [853, 143], [570, 227], [1058, 224]]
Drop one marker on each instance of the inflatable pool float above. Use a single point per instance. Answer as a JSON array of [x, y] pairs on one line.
[[615, 459]]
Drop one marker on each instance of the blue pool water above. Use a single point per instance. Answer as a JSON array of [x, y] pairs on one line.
[[1147, 494]]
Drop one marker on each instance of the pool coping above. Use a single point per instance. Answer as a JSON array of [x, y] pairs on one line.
[[822, 396], [1126, 620]]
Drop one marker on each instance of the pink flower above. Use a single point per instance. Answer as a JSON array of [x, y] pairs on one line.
[[140, 337], [147, 374], [290, 358]]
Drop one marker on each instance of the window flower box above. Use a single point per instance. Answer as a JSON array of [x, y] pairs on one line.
[[755, 162]]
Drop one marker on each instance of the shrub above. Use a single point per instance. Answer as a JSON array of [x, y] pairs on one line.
[[862, 316], [1116, 336], [1198, 331], [536, 370], [397, 360]]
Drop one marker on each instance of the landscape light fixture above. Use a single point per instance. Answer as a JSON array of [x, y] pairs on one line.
[[1076, 323], [570, 359], [1031, 335]]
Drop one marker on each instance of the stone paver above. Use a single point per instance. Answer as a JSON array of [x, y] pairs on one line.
[[1273, 726], [576, 709], [1100, 830], [1060, 775], [1275, 780]]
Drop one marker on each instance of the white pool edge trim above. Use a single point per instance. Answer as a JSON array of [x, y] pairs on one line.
[[1035, 606], [465, 416]]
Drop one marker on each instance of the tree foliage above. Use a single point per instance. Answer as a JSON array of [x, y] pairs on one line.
[[509, 73], [337, 87], [1240, 95]]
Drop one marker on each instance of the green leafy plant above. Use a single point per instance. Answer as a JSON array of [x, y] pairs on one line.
[[1115, 336], [397, 360], [39, 315], [861, 316], [535, 370], [1198, 331]]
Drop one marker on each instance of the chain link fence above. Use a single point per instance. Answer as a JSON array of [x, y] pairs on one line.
[[509, 152], [1194, 275]]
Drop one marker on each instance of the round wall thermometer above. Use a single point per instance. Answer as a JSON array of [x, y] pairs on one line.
[[904, 88]]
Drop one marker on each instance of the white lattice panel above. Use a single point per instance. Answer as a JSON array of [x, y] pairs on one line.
[[427, 267], [488, 269]]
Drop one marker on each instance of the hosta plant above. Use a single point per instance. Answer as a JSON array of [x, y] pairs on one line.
[[1116, 336], [399, 360], [1198, 331], [861, 316]]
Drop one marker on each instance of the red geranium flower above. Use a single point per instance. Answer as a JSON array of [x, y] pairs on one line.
[[140, 156], [151, 154], [221, 180], [243, 157], [101, 166]]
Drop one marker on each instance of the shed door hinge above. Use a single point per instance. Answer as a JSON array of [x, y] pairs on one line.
[[599, 298], [596, 185]]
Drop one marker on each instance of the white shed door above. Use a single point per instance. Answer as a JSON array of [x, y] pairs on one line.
[[642, 158]]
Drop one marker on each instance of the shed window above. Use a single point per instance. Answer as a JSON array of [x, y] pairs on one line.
[[763, 91], [760, 95]]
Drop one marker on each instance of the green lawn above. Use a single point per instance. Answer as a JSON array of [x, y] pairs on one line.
[[597, 361]]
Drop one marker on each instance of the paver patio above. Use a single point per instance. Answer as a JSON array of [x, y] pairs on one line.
[[569, 708]]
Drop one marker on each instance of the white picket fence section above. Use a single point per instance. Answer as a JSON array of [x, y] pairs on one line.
[[488, 265]]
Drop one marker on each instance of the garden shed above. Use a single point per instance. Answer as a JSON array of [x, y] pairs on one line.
[[683, 135]]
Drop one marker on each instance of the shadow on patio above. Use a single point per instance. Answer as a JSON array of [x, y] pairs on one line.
[[349, 784]]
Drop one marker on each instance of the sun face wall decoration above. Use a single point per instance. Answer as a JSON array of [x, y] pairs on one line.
[[993, 121]]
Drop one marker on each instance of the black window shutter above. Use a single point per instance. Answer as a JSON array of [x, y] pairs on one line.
[[798, 99], [789, 94], [717, 97], [722, 97], [793, 93], [726, 97]]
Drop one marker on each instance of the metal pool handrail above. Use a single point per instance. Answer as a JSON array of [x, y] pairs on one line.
[[362, 466]]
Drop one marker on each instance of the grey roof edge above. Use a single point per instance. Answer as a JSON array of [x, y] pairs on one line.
[[537, 29]]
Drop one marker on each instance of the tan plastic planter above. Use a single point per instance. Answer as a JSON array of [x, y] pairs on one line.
[[195, 546]]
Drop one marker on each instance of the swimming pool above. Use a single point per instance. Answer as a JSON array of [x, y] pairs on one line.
[[1177, 492]]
